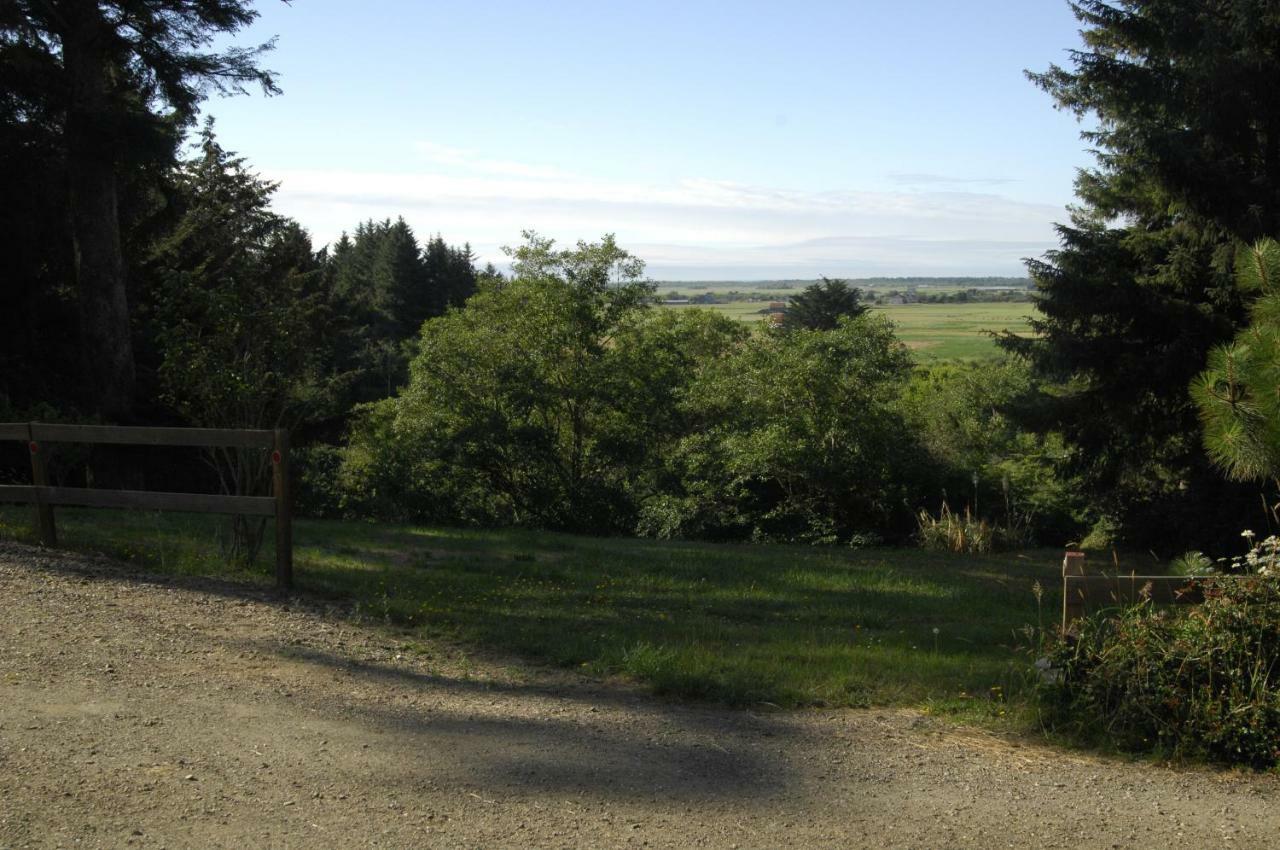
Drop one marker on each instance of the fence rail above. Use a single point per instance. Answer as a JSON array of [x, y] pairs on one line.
[[44, 497], [1081, 592]]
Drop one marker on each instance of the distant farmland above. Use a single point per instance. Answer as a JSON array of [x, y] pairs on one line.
[[933, 331]]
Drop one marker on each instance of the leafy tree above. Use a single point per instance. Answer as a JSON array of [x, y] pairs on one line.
[[1237, 394], [959, 413], [541, 401], [115, 81], [1187, 134], [240, 318], [821, 306], [795, 436]]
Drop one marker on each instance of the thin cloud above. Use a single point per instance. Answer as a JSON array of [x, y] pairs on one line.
[[469, 160], [685, 228], [915, 178]]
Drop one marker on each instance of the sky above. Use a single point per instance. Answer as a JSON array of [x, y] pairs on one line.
[[718, 140]]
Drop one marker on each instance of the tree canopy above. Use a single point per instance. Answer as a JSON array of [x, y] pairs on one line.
[[821, 305], [1187, 135], [109, 85]]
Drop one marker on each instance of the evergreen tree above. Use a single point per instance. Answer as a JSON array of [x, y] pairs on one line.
[[1236, 394], [38, 323], [385, 286], [240, 318], [116, 80], [452, 275], [1187, 134], [821, 306]]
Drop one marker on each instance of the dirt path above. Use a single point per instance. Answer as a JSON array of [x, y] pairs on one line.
[[154, 712]]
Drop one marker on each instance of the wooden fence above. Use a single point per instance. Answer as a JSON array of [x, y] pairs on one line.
[[1082, 593], [44, 497]]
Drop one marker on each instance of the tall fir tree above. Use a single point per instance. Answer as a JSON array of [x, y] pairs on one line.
[[240, 319], [386, 286], [1186, 128], [117, 81]]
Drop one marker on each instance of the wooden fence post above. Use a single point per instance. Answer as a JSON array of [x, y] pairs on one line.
[[1072, 598], [40, 478], [284, 510]]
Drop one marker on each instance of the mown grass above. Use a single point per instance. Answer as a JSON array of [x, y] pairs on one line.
[[934, 332], [737, 624]]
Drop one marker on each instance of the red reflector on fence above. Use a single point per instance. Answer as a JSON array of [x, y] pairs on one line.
[[34, 446], [275, 457]]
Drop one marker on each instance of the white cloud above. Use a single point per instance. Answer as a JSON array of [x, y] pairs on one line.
[[691, 228], [468, 160]]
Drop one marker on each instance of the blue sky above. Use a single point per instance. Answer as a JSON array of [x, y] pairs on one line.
[[725, 140]]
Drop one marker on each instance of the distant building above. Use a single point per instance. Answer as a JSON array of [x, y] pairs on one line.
[[671, 301]]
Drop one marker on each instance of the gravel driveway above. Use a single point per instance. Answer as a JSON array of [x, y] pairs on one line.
[[160, 712]]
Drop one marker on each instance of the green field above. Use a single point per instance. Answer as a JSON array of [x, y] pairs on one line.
[[933, 331], [736, 624]]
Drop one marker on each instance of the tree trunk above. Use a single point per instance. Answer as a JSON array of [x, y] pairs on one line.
[[106, 339]]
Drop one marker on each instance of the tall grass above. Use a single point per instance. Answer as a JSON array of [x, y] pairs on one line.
[[965, 533]]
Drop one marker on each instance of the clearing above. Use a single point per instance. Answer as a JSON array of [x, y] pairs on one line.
[[174, 711]]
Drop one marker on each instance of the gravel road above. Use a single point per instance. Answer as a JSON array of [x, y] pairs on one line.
[[160, 712]]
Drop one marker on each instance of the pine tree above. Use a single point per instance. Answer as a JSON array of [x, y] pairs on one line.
[[451, 272], [118, 80], [385, 287], [820, 307], [1236, 395], [240, 319], [1188, 162]]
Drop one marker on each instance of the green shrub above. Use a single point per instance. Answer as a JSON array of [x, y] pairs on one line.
[[1199, 681]]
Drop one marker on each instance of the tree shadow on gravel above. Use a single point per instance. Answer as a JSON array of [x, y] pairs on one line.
[[561, 736], [593, 740]]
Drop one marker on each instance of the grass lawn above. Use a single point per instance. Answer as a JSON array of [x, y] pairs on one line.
[[737, 624], [934, 332]]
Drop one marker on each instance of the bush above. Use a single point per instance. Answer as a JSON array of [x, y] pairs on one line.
[[961, 415], [795, 437], [1199, 681]]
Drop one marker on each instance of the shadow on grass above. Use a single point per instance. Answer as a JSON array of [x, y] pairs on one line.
[[733, 624]]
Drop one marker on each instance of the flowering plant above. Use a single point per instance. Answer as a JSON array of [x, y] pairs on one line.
[[1263, 557]]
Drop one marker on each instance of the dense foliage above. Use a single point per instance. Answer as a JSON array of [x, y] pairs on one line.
[[962, 414], [820, 307], [1236, 394], [559, 398], [1187, 132], [96, 95], [795, 437], [516, 410], [1198, 681]]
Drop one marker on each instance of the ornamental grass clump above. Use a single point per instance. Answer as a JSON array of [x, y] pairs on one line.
[[1198, 681], [967, 533]]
